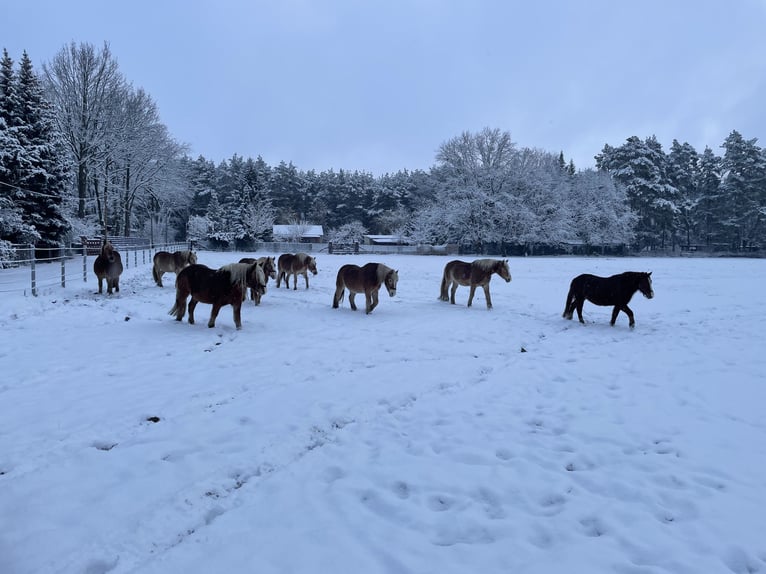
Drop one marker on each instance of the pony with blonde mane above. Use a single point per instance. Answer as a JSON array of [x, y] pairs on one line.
[[218, 287], [269, 270], [367, 280], [473, 275], [166, 262], [297, 264]]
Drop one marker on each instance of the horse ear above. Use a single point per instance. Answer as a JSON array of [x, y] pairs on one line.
[[649, 274]]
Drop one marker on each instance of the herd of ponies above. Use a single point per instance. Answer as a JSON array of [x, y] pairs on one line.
[[230, 284]]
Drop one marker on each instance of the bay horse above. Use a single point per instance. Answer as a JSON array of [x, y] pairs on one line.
[[616, 290], [367, 280], [166, 262], [108, 267], [295, 264], [218, 287], [269, 270], [474, 274]]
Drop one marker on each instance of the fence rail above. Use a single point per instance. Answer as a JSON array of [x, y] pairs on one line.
[[30, 269]]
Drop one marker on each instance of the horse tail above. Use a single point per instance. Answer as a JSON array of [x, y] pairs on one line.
[[155, 275], [569, 304], [444, 294]]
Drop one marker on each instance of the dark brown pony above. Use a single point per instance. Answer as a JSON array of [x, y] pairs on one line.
[[218, 287], [269, 270], [616, 290], [166, 262], [475, 274], [367, 280], [297, 264], [108, 266]]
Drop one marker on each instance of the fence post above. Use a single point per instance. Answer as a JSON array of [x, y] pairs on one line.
[[135, 257], [63, 271], [32, 267], [84, 263]]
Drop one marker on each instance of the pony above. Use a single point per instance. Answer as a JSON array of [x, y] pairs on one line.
[[474, 274], [298, 264], [367, 280], [269, 270], [108, 267], [616, 290], [219, 287], [165, 261]]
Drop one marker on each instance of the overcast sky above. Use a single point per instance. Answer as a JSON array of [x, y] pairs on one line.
[[378, 85]]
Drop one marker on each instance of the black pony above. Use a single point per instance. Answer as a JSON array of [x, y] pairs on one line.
[[616, 290]]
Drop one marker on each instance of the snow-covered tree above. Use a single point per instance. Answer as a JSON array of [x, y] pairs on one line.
[[743, 184]]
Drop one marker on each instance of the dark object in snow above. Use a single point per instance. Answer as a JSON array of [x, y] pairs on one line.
[[295, 264], [108, 266], [224, 286], [474, 274], [523, 350], [153, 419], [366, 279], [616, 290]]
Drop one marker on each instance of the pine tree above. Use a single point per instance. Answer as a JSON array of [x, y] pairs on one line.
[[43, 172], [743, 184], [683, 174]]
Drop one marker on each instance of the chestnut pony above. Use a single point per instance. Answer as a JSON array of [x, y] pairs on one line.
[[475, 274], [367, 280], [218, 287], [108, 267]]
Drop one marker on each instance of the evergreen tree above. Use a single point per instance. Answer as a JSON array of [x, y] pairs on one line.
[[710, 199], [683, 174], [743, 184], [641, 167], [43, 174]]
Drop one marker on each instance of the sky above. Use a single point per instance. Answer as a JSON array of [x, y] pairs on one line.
[[416, 439], [378, 86]]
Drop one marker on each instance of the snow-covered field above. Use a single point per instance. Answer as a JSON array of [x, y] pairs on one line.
[[418, 439]]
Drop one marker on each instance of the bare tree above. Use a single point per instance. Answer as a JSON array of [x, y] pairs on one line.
[[83, 84]]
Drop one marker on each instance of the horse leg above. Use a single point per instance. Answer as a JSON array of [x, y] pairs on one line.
[[306, 277], [372, 300], [157, 277], [351, 296], [452, 292], [117, 284], [192, 305], [237, 315], [295, 281], [486, 295], [627, 311], [470, 295], [214, 314], [579, 303], [100, 285], [279, 277]]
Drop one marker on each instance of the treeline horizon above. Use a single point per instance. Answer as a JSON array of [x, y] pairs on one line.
[[111, 167]]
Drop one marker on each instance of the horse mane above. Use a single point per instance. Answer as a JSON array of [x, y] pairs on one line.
[[487, 264], [238, 273]]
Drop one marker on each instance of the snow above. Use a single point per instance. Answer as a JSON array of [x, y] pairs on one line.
[[419, 438]]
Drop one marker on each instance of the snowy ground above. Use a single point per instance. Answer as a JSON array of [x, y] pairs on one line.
[[419, 438]]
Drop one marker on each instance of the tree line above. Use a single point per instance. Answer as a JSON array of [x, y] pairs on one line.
[[83, 152]]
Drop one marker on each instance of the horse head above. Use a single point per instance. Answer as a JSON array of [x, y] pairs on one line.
[[645, 285], [392, 278], [311, 263], [503, 270], [192, 258], [107, 251]]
